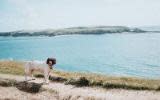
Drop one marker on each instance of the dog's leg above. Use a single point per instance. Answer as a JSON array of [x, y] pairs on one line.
[[46, 78], [26, 70], [25, 76], [31, 75]]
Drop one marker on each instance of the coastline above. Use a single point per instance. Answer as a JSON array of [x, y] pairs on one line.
[[79, 86], [89, 79]]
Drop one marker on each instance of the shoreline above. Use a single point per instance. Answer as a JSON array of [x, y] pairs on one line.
[[86, 79], [85, 72], [79, 86]]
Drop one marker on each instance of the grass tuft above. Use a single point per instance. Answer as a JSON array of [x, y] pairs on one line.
[[7, 82], [108, 85], [57, 79], [158, 89], [82, 81], [39, 75]]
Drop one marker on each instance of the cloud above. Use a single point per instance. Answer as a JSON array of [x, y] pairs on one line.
[[41, 14]]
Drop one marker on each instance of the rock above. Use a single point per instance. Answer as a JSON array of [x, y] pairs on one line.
[[29, 86]]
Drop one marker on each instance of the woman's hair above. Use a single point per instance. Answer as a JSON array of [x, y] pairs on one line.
[[51, 59]]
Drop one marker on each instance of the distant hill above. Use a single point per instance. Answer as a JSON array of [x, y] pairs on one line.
[[74, 30], [151, 28]]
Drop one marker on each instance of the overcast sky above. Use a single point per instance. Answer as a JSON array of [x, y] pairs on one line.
[[44, 14]]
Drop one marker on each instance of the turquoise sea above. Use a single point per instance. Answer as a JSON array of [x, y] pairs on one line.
[[124, 54]]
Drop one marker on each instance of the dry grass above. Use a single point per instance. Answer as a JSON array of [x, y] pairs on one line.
[[14, 67], [111, 82], [11, 67]]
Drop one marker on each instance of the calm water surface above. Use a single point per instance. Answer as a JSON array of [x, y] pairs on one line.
[[112, 54]]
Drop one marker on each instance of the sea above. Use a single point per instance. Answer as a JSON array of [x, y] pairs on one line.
[[120, 54]]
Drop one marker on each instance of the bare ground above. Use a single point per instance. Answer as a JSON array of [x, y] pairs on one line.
[[60, 91]]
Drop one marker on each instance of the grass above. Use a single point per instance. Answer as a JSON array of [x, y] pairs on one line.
[[87, 79], [110, 82], [7, 82], [11, 67]]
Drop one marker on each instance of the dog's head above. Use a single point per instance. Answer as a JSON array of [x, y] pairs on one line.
[[51, 61]]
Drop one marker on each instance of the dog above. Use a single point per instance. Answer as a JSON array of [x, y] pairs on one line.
[[43, 67]]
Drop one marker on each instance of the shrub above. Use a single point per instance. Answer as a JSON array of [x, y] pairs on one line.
[[96, 83], [57, 79], [82, 81]]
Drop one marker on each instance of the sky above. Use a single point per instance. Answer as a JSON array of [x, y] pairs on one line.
[[53, 14]]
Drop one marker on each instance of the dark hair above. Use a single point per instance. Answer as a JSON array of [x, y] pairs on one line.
[[51, 59]]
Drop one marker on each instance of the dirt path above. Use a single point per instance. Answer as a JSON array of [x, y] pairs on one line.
[[59, 91]]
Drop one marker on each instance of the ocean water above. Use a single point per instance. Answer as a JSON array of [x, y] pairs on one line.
[[125, 54]]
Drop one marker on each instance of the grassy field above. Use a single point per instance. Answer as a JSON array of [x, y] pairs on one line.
[[86, 79]]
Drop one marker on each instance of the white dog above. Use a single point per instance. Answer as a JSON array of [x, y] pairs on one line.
[[44, 68]]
